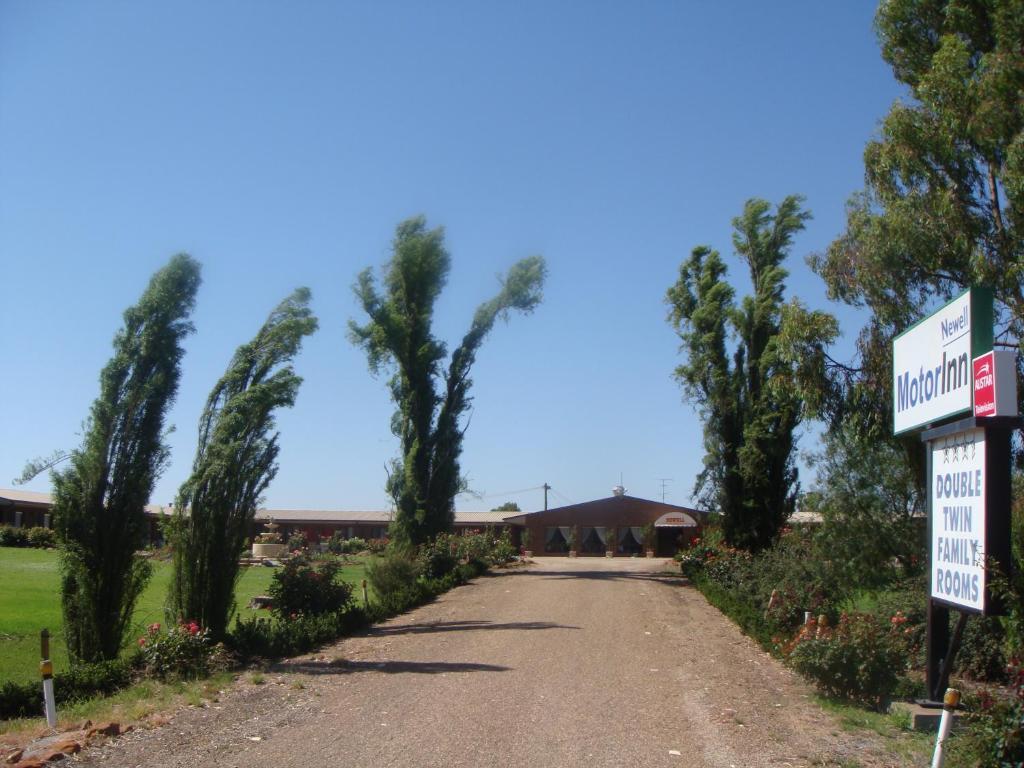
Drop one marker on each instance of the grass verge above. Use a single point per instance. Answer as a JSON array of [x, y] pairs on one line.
[[129, 705], [912, 747], [33, 602]]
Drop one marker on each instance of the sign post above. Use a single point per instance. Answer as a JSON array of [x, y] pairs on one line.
[[968, 527], [946, 385]]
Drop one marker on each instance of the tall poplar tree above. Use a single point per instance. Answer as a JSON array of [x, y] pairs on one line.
[[100, 497], [235, 461], [430, 402], [741, 374]]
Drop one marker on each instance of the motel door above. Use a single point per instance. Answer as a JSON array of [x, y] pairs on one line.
[[673, 531]]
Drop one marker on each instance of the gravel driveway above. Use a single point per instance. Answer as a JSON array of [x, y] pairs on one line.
[[584, 662]]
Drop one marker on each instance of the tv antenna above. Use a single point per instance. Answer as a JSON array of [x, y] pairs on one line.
[[664, 481]]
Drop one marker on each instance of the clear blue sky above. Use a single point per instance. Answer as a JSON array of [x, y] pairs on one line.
[[280, 143]]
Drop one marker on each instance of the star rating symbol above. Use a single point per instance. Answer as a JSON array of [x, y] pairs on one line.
[[959, 448]]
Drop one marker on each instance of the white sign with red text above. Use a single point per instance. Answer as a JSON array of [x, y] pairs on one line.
[[995, 384]]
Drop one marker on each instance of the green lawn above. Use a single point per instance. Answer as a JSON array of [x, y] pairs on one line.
[[30, 601]]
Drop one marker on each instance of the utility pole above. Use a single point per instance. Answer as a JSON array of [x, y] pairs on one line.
[[664, 480], [546, 489]]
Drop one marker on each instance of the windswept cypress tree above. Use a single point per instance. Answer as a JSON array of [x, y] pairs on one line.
[[235, 462], [428, 421], [752, 404], [99, 499]]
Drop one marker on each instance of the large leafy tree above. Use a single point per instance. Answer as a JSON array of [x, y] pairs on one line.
[[870, 508], [943, 205], [235, 461], [742, 374], [99, 498], [430, 401]]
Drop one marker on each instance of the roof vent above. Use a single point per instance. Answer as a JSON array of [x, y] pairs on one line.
[[618, 490]]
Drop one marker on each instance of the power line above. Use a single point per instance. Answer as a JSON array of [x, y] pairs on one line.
[[563, 497], [505, 493]]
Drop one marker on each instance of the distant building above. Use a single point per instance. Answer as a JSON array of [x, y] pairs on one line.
[[620, 517], [594, 522], [28, 509], [25, 509]]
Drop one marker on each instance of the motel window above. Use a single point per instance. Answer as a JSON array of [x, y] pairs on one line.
[[592, 540], [556, 539], [631, 541]]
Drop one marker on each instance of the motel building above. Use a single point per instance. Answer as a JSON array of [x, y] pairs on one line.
[[613, 524]]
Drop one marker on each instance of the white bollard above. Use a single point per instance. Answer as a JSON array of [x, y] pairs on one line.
[[51, 706], [46, 670], [949, 704]]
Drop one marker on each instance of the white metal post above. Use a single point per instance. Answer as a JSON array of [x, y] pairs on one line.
[[949, 704]]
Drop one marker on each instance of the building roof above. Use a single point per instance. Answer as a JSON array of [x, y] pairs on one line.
[[10, 495], [367, 516], [597, 506], [280, 515]]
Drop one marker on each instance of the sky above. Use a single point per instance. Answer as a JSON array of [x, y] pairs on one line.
[[281, 143]]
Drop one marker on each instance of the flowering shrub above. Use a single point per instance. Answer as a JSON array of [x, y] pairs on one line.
[[42, 538], [376, 546], [308, 588], [339, 545], [994, 732], [185, 651], [859, 659], [440, 556], [298, 542], [799, 580]]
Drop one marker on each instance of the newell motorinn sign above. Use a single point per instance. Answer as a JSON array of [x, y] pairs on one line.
[[933, 376]]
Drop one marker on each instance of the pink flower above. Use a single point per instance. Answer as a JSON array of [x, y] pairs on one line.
[[142, 642], [193, 628], [154, 627]]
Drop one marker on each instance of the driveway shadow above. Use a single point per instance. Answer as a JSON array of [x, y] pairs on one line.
[[459, 626], [347, 667], [602, 575]]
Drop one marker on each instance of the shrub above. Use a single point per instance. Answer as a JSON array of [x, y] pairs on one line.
[[800, 582], [297, 542], [12, 537], [993, 736], [339, 545], [438, 557], [981, 650], [183, 652], [860, 659], [395, 580], [270, 639], [42, 538], [502, 551], [909, 599], [80, 682], [304, 587], [376, 546]]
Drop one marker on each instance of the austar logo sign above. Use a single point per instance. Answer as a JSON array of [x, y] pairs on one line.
[[984, 385]]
